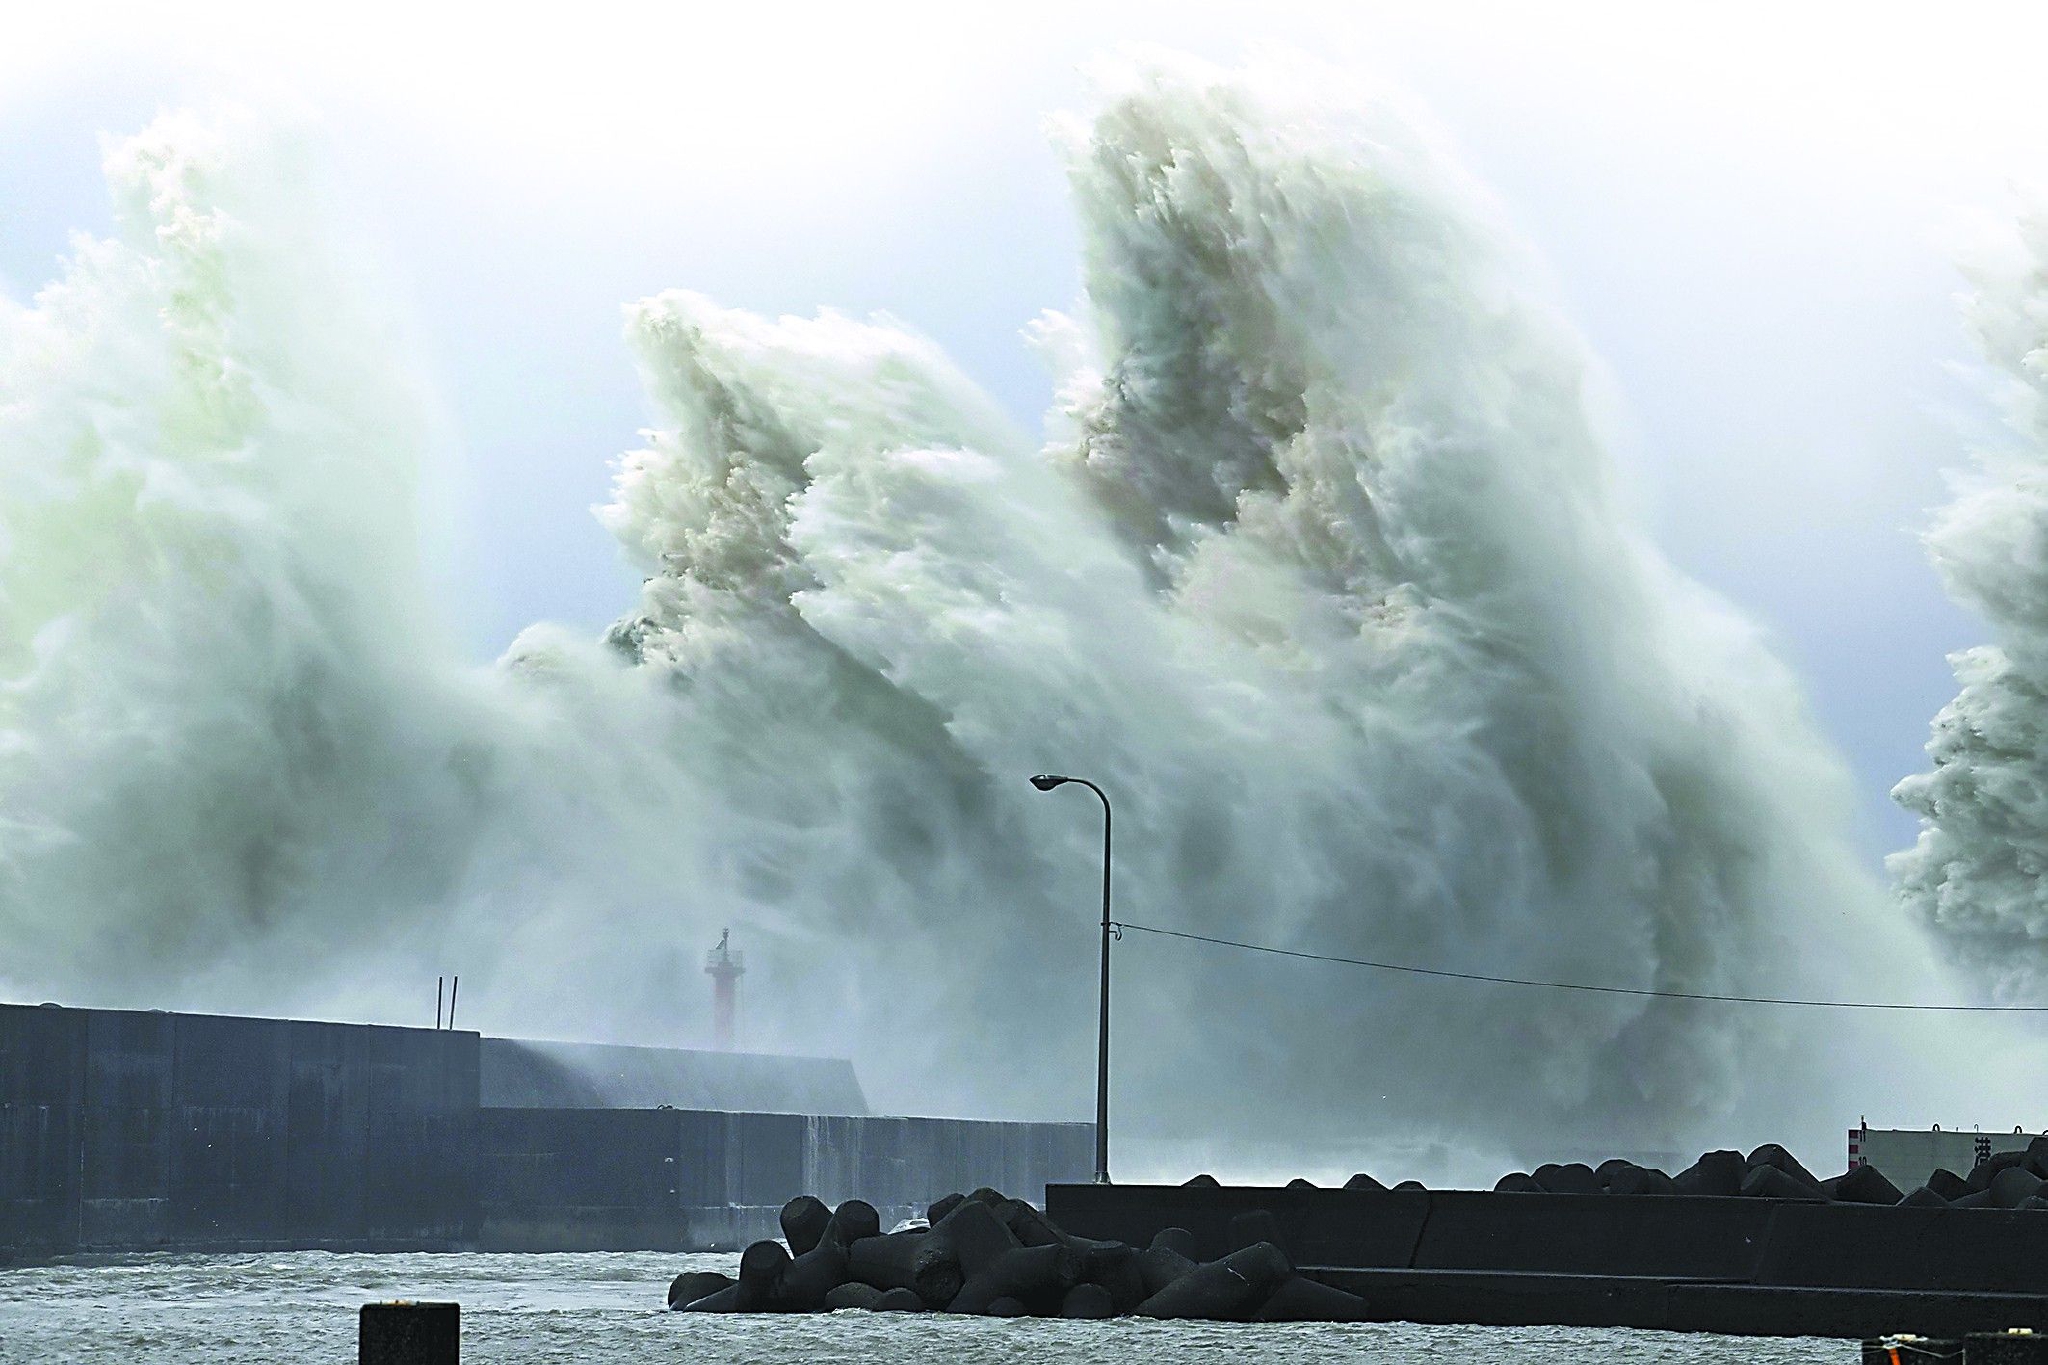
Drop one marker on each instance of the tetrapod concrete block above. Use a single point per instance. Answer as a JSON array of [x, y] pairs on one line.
[[402, 1333]]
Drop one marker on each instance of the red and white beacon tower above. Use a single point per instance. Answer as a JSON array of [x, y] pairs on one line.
[[725, 968]]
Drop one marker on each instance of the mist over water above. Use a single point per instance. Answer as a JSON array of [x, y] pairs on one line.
[[1318, 568]]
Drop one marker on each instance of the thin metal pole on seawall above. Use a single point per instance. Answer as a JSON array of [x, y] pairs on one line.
[[1045, 782]]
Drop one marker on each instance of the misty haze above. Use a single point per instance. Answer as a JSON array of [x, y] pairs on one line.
[[1328, 559]]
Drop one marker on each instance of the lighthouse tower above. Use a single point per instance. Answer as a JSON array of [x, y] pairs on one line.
[[725, 968]]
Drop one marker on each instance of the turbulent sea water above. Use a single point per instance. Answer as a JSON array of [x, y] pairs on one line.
[[607, 1306]]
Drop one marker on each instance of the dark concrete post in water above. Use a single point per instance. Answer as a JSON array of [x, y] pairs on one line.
[[403, 1333], [1045, 782]]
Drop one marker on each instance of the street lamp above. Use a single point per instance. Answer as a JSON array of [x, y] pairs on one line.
[[1045, 782]]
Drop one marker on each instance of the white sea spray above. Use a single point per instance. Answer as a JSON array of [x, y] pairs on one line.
[[1318, 570], [1976, 874]]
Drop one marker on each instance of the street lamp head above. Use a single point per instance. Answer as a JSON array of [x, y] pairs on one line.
[[1045, 782]]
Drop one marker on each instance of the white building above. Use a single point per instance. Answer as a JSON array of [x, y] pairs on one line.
[[1907, 1156]]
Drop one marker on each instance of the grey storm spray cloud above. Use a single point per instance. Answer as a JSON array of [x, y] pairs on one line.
[[1975, 877], [1317, 568]]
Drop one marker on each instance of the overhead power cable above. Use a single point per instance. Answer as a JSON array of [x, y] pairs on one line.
[[1578, 985]]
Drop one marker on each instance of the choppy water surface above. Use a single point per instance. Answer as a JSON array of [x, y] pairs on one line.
[[521, 1310]]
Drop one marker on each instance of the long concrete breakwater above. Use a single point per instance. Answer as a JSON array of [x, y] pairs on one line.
[[127, 1130], [1750, 1266]]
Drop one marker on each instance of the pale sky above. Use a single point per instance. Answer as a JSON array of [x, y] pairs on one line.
[[1750, 212]]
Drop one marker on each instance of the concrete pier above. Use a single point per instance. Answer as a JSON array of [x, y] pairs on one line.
[[125, 1130], [142, 1129], [1745, 1266]]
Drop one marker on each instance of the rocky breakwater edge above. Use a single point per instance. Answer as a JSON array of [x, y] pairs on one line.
[[2005, 1180], [990, 1255]]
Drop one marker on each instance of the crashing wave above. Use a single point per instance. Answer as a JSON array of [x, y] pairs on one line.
[[1318, 570], [1976, 875]]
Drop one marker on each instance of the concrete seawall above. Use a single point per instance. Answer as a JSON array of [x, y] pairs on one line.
[[678, 1180], [1733, 1265], [130, 1129], [520, 1073], [141, 1130]]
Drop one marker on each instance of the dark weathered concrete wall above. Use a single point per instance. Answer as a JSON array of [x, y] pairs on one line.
[[682, 1179], [519, 1073], [126, 1129], [1760, 1266]]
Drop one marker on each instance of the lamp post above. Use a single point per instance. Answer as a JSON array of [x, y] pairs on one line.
[[1045, 782]]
